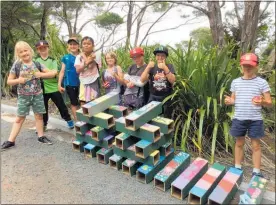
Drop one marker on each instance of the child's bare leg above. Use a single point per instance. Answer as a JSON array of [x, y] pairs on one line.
[[74, 111], [39, 124], [256, 153], [16, 128], [240, 141]]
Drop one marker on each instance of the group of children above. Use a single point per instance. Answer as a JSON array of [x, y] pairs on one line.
[[80, 78]]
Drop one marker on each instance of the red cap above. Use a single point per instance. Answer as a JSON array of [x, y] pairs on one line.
[[249, 59], [136, 51]]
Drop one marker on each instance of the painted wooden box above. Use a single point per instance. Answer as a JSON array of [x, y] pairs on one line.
[[117, 111], [188, 178], [103, 155], [115, 161], [166, 125], [90, 150], [123, 140], [129, 167]]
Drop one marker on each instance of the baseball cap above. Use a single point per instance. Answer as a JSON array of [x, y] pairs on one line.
[[161, 49], [249, 59], [73, 39], [41, 43], [136, 51]]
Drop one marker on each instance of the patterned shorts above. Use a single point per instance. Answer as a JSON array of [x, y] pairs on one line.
[[24, 102]]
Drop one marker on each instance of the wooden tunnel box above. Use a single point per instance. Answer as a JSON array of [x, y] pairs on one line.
[[82, 127], [99, 133], [101, 119], [100, 104], [188, 178], [123, 140], [115, 161], [103, 155], [90, 150], [166, 125], [202, 189], [146, 173], [165, 149], [78, 145], [167, 175], [227, 187], [147, 131], [117, 111], [129, 167], [255, 191], [105, 143], [143, 115]]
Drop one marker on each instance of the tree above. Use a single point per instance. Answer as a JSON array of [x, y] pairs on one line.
[[202, 36]]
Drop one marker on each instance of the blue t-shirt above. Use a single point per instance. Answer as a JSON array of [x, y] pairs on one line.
[[71, 77]]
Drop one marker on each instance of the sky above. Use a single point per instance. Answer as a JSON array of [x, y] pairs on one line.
[[171, 19]]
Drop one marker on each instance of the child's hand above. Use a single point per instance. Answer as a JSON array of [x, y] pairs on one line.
[[38, 74], [106, 85], [257, 100], [228, 100], [61, 89], [151, 63], [22, 80], [130, 85], [161, 65]]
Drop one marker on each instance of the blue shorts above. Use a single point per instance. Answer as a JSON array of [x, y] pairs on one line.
[[253, 128]]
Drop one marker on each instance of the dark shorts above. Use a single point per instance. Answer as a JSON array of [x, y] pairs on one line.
[[73, 93], [253, 128]]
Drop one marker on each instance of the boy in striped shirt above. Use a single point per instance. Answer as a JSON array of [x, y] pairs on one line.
[[249, 94]]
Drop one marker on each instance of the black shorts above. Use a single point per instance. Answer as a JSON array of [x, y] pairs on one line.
[[73, 93]]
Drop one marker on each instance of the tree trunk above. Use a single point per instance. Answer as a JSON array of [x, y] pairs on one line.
[[129, 23], [43, 23], [139, 21], [250, 25], [215, 20]]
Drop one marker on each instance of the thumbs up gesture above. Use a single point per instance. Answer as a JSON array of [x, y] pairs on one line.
[[151, 63]]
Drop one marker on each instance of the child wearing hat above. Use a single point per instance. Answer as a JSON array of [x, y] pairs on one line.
[[249, 94], [161, 78], [50, 86]]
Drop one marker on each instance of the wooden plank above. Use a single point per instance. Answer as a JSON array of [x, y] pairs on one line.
[[202, 189], [255, 191], [99, 133], [167, 175], [90, 150], [166, 125], [227, 187], [117, 111], [123, 141], [147, 131], [100, 104], [103, 155], [146, 173], [188, 178], [143, 115], [115, 161], [129, 167], [105, 143]]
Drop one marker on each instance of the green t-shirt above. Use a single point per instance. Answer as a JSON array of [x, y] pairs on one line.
[[51, 84]]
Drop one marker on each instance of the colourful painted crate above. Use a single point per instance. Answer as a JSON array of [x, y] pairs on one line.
[[166, 148], [80, 137], [77, 146], [115, 161], [202, 189], [100, 104], [188, 178], [167, 175], [117, 111], [123, 140], [147, 131], [105, 143], [103, 155], [82, 127], [90, 150], [146, 173], [227, 187], [166, 125], [99, 133], [255, 191], [139, 117], [129, 167]]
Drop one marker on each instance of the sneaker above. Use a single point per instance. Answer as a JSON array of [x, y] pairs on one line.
[[7, 145], [257, 174], [70, 124], [44, 140]]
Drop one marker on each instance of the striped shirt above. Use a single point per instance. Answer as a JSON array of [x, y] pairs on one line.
[[245, 90]]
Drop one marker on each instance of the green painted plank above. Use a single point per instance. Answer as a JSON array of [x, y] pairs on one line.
[[103, 155], [117, 111], [123, 140], [115, 161], [181, 186], [100, 104], [165, 149], [202, 189], [255, 191], [147, 132], [146, 173], [129, 167], [90, 150], [227, 187], [143, 115], [166, 125], [168, 174]]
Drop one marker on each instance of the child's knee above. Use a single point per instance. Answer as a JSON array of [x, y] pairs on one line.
[[38, 117], [256, 146], [240, 143], [19, 120]]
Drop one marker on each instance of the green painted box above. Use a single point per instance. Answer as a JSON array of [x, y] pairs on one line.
[[105, 143], [123, 141], [166, 148], [90, 150], [115, 161], [143, 115], [103, 155], [77, 146], [117, 111], [166, 125], [129, 167], [99, 133], [82, 127]]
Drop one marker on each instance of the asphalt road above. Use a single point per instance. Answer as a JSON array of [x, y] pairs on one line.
[[33, 173]]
